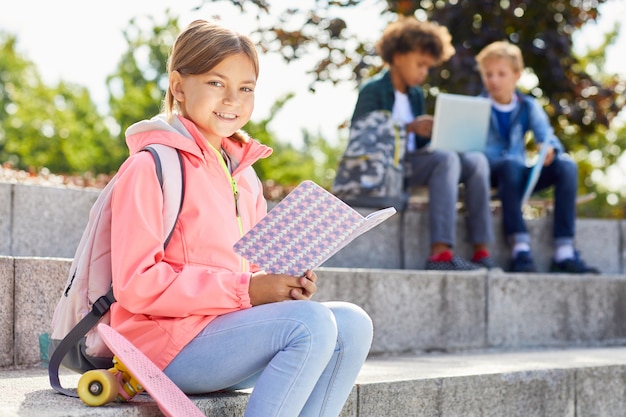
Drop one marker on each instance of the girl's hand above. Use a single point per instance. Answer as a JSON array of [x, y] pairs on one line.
[[267, 288], [421, 125], [308, 287]]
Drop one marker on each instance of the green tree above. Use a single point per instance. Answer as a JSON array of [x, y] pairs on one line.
[[581, 104], [40, 126], [136, 88]]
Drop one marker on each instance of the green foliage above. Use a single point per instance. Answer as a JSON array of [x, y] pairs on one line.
[[580, 101], [289, 165], [55, 127], [58, 126], [137, 87]]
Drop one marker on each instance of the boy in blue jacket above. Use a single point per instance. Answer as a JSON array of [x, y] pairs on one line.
[[513, 114]]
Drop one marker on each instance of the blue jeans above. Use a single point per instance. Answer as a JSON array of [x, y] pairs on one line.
[[442, 171], [301, 357], [510, 176]]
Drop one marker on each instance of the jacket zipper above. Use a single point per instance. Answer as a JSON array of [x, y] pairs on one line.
[[235, 190]]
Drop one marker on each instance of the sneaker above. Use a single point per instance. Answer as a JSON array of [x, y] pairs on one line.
[[483, 259], [523, 262], [485, 262], [455, 263], [573, 265]]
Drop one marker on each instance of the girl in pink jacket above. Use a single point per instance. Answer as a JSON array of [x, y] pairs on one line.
[[197, 309]]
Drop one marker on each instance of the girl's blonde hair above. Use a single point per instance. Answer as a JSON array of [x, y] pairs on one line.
[[407, 34], [504, 50], [201, 47]]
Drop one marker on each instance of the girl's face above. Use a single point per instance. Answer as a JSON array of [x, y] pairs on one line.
[[220, 101], [499, 78], [410, 69]]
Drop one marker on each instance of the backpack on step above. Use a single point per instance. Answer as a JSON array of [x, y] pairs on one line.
[[88, 295], [371, 171]]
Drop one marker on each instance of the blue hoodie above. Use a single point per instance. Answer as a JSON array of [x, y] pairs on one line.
[[528, 115]]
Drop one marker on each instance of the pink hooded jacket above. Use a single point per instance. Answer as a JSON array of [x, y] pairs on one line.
[[164, 299]]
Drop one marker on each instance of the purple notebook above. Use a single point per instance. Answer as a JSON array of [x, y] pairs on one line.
[[305, 229]]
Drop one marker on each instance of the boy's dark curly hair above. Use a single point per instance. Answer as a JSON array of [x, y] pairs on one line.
[[407, 34]]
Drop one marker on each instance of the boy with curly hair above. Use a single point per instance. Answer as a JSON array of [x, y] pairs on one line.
[[409, 49]]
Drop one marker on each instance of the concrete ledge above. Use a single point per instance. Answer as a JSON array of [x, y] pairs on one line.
[[557, 310], [555, 383], [38, 286], [49, 221], [412, 311], [6, 216], [426, 311], [600, 241], [7, 318]]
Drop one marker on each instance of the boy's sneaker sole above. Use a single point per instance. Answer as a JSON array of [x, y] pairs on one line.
[[523, 262], [455, 264], [573, 265]]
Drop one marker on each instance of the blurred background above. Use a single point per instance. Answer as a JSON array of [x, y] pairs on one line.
[[74, 75]]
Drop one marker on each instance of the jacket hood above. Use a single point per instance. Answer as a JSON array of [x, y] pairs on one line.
[[182, 134], [159, 130]]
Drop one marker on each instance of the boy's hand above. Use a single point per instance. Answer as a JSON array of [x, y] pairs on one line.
[[549, 156], [421, 125]]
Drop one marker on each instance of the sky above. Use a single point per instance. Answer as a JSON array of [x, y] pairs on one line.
[[81, 41]]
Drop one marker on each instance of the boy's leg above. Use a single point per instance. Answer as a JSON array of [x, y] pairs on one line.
[[475, 176], [510, 178], [440, 171], [562, 173]]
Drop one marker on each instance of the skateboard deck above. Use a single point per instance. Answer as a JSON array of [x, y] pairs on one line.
[[169, 398]]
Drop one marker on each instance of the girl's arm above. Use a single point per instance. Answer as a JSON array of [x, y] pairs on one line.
[[143, 282]]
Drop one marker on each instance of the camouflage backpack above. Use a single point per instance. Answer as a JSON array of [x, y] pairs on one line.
[[371, 171]]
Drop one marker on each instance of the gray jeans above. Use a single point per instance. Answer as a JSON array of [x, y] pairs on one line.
[[442, 172]]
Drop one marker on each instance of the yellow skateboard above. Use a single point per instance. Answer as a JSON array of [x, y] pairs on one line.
[[131, 374]]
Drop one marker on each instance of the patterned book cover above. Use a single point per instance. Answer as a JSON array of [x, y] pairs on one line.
[[305, 229]]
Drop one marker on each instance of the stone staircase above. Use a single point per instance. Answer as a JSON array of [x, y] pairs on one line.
[[483, 343]]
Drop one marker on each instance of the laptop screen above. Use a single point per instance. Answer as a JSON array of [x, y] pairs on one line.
[[461, 123]]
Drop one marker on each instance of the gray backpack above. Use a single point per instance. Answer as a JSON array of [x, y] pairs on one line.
[[371, 171]]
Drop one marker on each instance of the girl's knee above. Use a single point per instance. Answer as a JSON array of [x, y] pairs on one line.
[[319, 321], [352, 321]]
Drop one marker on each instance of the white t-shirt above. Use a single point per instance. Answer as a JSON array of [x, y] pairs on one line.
[[402, 112]]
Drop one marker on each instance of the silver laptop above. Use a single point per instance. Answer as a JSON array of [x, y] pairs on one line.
[[461, 123]]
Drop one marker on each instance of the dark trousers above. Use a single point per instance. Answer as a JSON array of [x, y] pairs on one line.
[[509, 177]]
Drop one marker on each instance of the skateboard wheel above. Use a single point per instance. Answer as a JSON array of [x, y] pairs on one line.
[[97, 387]]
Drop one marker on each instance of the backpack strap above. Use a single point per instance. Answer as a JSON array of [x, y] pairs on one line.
[[173, 186], [73, 338]]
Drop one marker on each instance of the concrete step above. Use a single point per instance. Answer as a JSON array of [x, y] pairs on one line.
[[535, 383], [413, 311], [37, 220]]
